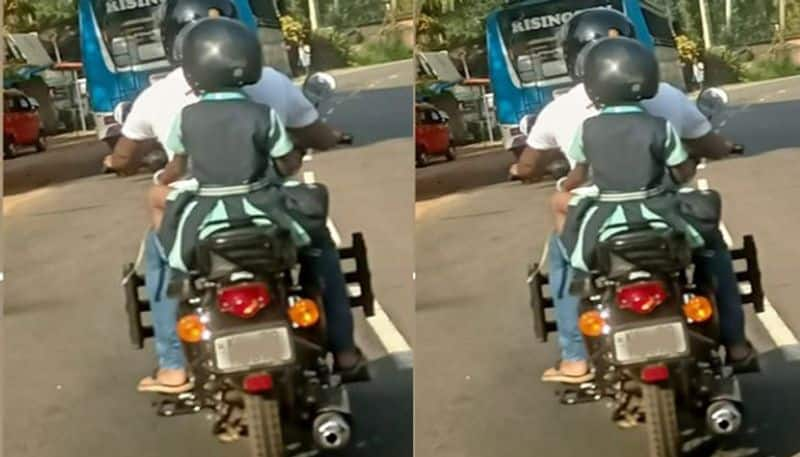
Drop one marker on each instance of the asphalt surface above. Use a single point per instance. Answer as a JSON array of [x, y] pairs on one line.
[[70, 372], [477, 390]]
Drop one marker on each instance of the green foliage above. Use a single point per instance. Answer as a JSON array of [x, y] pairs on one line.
[[770, 67], [688, 49], [39, 15], [387, 49], [295, 32], [449, 24]]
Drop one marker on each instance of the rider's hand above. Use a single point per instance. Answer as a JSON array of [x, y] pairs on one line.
[[107, 162]]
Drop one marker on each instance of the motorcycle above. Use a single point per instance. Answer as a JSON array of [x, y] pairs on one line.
[[651, 328], [253, 332]]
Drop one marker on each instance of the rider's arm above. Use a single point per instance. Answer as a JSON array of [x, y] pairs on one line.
[[287, 158], [709, 146], [316, 135], [541, 147], [137, 138], [127, 155], [532, 163], [681, 166], [576, 177], [175, 169]]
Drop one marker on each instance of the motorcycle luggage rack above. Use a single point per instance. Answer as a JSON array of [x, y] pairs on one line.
[[540, 301], [359, 281], [135, 306]]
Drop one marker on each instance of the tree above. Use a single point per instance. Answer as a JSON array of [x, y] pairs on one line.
[[43, 16], [452, 24]]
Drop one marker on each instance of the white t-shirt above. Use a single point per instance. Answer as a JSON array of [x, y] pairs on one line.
[[155, 109], [559, 121]]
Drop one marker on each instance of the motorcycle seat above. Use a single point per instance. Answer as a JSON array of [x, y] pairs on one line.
[[257, 249], [659, 250]]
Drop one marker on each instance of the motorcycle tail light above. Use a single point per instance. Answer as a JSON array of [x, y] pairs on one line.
[[641, 297], [243, 300], [257, 383], [655, 373]]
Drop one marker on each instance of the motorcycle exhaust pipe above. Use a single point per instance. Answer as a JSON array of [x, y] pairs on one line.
[[724, 417], [331, 431]]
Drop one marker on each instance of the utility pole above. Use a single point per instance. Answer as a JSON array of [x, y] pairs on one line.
[[728, 14], [782, 15], [313, 14], [706, 23]]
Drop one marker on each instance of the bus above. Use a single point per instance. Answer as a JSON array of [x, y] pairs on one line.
[[122, 52], [526, 64]]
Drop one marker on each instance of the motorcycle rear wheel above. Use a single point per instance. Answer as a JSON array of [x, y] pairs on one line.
[[264, 426], [661, 420]]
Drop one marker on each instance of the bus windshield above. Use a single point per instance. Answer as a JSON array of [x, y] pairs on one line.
[[130, 30], [529, 34]]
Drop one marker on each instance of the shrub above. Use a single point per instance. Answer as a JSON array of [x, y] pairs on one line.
[[386, 49], [770, 67]]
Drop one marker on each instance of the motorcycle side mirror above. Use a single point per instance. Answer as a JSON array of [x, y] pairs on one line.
[[319, 87], [711, 101], [121, 112]]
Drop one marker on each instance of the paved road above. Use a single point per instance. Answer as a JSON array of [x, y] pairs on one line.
[[70, 373], [477, 389]]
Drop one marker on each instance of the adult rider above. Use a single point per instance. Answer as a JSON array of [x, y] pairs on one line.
[[150, 118], [553, 132]]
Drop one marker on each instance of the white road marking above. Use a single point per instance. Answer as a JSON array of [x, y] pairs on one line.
[[390, 337], [329, 112], [2, 276], [781, 334]]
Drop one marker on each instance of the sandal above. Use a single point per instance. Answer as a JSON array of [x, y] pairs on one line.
[[358, 372], [747, 364], [556, 375], [152, 384]]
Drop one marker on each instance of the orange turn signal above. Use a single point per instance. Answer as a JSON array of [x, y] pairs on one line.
[[591, 323], [190, 328], [304, 313], [698, 309]]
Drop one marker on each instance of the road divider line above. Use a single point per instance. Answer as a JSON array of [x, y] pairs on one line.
[[776, 327], [393, 342]]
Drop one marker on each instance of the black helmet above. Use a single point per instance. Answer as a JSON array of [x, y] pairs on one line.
[[177, 14], [620, 70], [220, 53], [588, 26]]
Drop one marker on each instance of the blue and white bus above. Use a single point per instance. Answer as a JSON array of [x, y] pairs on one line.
[[526, 65], [122, 51]]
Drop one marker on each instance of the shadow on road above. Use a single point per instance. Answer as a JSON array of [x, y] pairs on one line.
[[771, 407], [463, 174], [383, 412], [68, 163]]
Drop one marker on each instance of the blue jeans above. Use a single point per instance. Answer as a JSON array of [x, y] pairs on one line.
[[561, 273], [715, 266], [321, 258], [164, 310], [713, 261]]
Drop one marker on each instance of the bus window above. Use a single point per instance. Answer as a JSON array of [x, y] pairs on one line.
[[266, 11], [130, 31], [658, 24], [529, 34]]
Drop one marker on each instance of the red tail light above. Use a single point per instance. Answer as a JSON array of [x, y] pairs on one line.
[[655, 373], [243, 300], [256, 383], [642, 297]]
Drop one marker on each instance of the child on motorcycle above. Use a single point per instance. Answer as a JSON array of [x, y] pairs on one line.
[[629, 153], [238, 148]]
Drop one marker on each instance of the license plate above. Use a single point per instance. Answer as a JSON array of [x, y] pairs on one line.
[[267, 347], [645, 343]]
